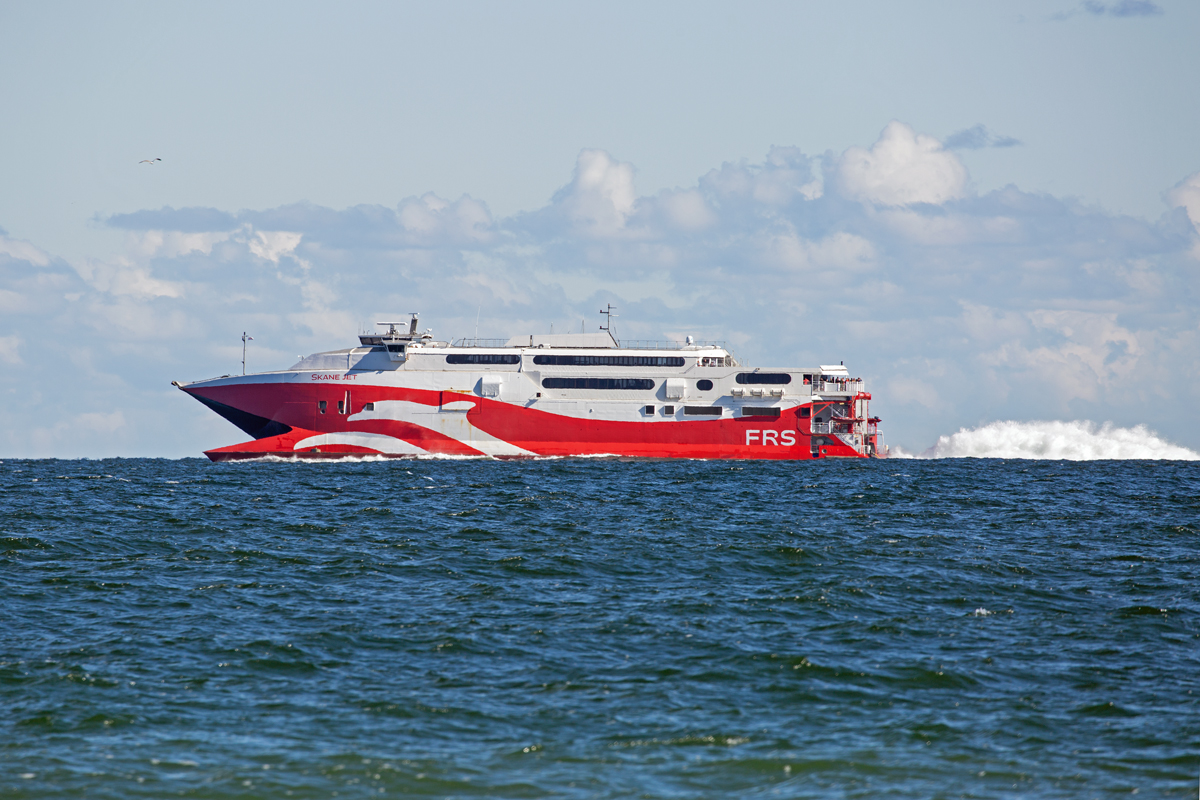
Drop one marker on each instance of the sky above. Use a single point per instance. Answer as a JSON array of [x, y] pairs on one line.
[[990, 210]]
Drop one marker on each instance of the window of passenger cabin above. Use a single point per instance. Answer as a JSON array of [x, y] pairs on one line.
[[703, 411], [482, 358], [598, 383], [704, 385], [649, 409], [764, 378], [609, 361], [759, 411], [321, 406], [668, 411]]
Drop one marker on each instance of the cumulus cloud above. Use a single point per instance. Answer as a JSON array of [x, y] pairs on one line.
[[1079, 354], [977, 137], [271, 245], [600, 197], [1120, 9], [903, 167], [10, 349], [784, 176], [958, 307], [1186, 195], [1123, 8], [428, 221]]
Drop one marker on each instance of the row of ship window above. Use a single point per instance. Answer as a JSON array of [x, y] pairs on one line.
[[715, 411], [643, 384], [743, 378], [568, 361], [691, 411]]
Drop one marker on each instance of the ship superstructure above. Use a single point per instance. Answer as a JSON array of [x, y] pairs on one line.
[[403, 393]]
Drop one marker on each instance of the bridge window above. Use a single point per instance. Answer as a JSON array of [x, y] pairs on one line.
[[703, 411], [482, 358], [609, 361], [640, 384], [704, 385], [759, 411], [761, 378]]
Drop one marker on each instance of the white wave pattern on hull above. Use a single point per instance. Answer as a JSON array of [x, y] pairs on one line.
[[1078, 440]]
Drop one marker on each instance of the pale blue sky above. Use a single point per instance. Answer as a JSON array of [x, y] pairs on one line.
[[254, 105], [812, 182]]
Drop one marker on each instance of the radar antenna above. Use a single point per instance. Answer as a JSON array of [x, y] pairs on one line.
[[412, 325]]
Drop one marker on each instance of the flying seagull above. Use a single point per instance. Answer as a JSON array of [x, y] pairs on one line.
[[149, 160]]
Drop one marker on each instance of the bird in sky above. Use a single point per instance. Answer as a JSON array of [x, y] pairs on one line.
[[149, 160]]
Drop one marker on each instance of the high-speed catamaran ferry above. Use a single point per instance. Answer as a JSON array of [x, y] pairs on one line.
[[404, 394]]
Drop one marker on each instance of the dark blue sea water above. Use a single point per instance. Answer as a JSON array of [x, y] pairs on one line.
[[599, 629]]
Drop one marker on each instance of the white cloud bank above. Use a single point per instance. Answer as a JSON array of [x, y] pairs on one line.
[[956, 306], [902, 168]]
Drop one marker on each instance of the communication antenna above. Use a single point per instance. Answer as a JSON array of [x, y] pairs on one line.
[[608, 327], [245, 339]]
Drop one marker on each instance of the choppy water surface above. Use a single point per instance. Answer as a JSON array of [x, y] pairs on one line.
[[987, 629]]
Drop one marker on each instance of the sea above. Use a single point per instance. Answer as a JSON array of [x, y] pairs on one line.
[[599, 628]]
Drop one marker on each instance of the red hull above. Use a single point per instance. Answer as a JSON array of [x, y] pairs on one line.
[[481, 427]]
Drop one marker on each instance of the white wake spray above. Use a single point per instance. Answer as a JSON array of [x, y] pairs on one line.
[[1080, 440]]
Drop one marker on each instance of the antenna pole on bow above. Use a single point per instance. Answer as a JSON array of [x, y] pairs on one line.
[[245, 339]]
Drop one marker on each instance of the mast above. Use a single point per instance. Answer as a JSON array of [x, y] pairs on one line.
[[245, 339], [608, 327]]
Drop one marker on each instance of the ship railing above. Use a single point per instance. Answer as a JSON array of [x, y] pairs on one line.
[[848, 386], [630, 344], [666, 344], [856, 428]]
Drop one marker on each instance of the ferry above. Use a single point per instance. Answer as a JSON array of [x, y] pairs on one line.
[[403, 394]]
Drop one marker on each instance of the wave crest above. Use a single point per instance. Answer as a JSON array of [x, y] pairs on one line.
[[1078, 440]]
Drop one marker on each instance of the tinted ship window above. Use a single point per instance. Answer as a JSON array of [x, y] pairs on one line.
[[609, 361], [760, 378], [482, 358], [753, 411], [597, 383], [704, 385], [703, 411]]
